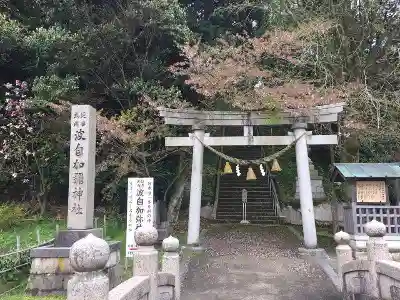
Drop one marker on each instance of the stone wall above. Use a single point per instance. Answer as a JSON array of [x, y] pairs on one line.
[[374, 276], [322, 213]]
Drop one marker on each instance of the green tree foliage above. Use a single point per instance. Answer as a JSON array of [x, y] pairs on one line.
[[114, 55], [307, 53], [126, 57]]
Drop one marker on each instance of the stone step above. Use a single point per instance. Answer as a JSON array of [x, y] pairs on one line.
[[237, 186], [266, 205], [238, 207], [252, 201], [249, 189], [263, 196], [261, 212], [237, 221], [250, 218], [253, 210], [238, 202], [250, 215], [249, 207], [236, 197], [226, 193]]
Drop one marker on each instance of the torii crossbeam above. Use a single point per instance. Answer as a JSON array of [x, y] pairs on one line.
[[250, 140]]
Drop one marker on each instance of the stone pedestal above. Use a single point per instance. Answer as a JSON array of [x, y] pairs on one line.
[[66, 238], [51, 268]]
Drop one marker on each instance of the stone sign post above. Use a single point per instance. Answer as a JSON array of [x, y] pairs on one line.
[[81, 177], [51, 267], [82, 167]]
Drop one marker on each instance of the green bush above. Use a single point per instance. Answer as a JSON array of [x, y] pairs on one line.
[[11, 214], [22, 297]]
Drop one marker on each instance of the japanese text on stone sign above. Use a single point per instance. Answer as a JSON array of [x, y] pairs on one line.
[[79, 134], [139, 209]]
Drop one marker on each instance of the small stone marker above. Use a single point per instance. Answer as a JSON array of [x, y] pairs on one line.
[[82, 167], [244, 209], [139, 209], [244, 196]]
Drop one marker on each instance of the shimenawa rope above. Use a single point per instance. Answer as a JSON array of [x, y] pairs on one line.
[[243, 162]]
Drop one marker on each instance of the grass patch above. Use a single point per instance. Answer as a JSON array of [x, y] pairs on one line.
[[325, 238], [27, 231], [21, 297]]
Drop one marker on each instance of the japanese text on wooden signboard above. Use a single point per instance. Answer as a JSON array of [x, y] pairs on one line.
[[371, 191], [139, 209]]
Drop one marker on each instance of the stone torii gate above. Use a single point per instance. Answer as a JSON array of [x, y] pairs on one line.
[[199, 119]]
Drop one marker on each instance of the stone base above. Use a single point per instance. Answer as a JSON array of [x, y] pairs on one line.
[[313, 253], [193, 248], [244, 222], [66, 238], [51, 270]]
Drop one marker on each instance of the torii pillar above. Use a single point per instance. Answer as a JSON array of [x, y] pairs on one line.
[[196, 186], [305, 190]]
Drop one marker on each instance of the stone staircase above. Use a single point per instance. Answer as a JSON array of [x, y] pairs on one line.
[[260, 204]]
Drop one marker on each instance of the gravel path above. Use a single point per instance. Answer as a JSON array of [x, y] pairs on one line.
[[255, 263]]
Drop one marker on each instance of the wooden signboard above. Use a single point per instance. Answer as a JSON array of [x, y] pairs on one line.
[[371, 191], [139, 209]]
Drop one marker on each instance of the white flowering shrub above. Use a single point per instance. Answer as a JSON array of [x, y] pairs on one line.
[[31, 156]]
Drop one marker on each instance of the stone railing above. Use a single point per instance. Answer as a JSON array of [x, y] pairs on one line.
[[375, 277], [89, 256]]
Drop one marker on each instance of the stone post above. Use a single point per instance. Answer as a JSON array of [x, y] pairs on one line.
[[305, 191], [145, 259], [196, 186], [343, 253], [170, 262], [88, 258], [81, 177], [377, 249], [82, 167]]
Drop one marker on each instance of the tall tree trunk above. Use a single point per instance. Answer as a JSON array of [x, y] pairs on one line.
[[177, 187], [43, 201]]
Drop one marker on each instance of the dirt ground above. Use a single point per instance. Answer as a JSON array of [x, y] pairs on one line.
[[254, 263]]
